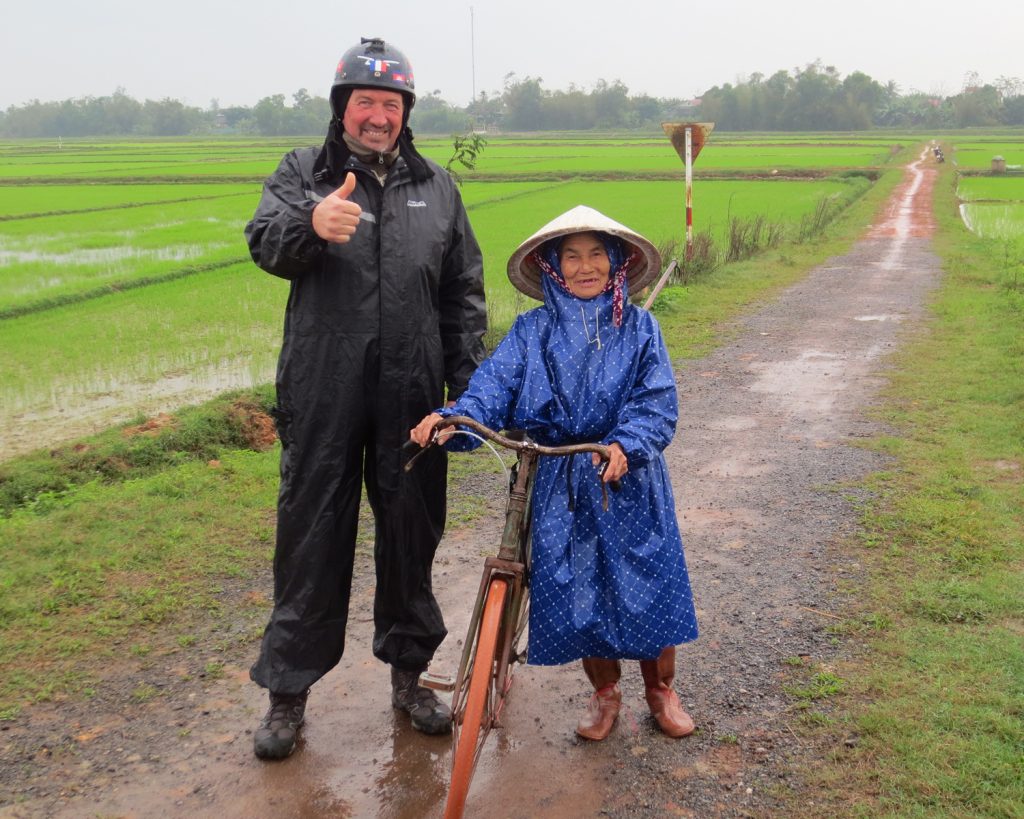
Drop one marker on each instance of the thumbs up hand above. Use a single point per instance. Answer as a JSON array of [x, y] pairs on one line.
[[336, 218]]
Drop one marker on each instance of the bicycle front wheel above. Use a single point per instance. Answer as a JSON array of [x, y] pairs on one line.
[[476, 718]]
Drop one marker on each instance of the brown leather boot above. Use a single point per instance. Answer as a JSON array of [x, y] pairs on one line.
[[661, 698], [603, 709]]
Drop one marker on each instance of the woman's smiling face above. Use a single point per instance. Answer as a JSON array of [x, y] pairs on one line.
[[585, 264]]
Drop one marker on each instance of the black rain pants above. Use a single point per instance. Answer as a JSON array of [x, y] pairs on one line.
[[326, 454]]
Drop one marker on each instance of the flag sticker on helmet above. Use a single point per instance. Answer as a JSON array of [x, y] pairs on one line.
[[378, 66]]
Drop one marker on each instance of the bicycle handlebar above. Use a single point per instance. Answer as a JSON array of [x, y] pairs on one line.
[[508, 443]]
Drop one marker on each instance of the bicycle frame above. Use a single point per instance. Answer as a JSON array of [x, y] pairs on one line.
[[512, 562], [499, 615]]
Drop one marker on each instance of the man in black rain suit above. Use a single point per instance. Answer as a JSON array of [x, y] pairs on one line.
[[385, 314]]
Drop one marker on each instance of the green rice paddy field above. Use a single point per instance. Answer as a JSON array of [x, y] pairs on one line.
[[977, 153], [124, 272], [992, 206]]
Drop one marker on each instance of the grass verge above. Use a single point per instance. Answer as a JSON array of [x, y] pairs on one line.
[[130, 568], [933, 724]]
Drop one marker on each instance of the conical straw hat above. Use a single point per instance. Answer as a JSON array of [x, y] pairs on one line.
[[525, 275]]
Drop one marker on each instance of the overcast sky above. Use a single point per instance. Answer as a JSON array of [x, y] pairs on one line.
[[238, 52]]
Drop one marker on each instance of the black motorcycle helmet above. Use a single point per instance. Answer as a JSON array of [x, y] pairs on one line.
[[372, 64]]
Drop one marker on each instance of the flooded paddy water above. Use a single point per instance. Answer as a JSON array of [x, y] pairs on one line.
[[73, 410], [991, 190]]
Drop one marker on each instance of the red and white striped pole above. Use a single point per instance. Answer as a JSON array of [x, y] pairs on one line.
[[689, 193]]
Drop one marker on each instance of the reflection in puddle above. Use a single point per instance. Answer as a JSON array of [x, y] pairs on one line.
[[907, 214]]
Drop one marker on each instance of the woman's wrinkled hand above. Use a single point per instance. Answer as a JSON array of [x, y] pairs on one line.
[[618, 464], [423, 432]]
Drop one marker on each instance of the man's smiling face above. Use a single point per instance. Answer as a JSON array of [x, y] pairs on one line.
[[374, 117]]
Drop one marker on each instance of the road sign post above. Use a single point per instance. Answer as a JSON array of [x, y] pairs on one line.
[[688, 138]]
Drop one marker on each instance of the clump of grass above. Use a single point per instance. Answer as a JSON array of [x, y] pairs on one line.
[[144, 693], [829, 208], [811, 225], [214, 670], [703, 258], [816, 719], [821, 685], [747, 237]]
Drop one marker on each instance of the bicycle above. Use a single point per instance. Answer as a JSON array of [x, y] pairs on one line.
[[501, 610]]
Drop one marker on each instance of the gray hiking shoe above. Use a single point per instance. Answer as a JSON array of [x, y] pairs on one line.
[[279, 728], [429, 714]]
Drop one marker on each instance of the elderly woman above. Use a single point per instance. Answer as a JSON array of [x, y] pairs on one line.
[[589, 366]]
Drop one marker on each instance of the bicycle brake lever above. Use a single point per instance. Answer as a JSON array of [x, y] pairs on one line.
[[615, 485], [416, 449]]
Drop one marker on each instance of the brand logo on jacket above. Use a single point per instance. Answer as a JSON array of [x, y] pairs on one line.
[[416, 203]]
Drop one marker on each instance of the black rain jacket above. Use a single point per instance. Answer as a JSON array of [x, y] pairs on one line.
[[402, 303]]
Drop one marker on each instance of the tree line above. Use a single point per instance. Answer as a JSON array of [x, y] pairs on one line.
[[817, 98], [813, 98]]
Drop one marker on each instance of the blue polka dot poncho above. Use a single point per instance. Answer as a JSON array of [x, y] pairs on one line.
[[613, 583]]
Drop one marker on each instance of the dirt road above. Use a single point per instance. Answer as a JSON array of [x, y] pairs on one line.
[[764, 449]]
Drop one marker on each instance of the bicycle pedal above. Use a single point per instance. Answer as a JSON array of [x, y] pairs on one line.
[[437, 682]]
